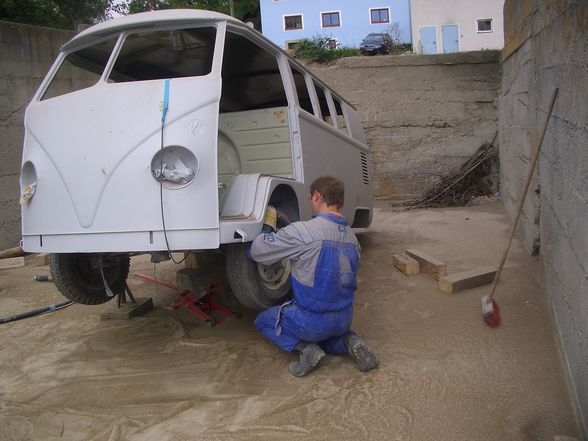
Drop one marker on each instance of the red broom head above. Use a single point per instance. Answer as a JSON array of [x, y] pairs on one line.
[[493, 319]]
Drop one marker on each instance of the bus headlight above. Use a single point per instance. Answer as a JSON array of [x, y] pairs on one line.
[[175, 167], [28, 182]]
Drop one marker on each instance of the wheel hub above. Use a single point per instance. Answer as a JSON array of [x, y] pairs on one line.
[[274, 276]]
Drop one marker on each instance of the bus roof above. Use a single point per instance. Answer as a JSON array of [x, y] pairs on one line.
[[171, 16], [144, 19]]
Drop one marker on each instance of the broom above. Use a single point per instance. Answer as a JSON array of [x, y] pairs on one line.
[[490, 309]]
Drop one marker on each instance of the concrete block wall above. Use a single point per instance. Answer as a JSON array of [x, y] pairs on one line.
[[547, 47], [26, 53], [424, 115]]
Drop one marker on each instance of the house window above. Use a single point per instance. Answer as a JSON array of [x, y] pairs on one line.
[[380, 15], [484, 25], [330, 19], [292, 22], [292, 45]]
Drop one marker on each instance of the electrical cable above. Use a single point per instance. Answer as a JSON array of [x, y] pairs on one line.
[[38, 311], [163, 116]]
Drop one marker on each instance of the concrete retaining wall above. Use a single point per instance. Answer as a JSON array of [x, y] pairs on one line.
[[547, 47], [26, 55], [423, 115]]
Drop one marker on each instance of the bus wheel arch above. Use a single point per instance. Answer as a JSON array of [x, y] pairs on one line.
[[258, 286], [285, 201]]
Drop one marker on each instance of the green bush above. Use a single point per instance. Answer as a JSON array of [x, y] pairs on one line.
[[318, 49], [400, 48]]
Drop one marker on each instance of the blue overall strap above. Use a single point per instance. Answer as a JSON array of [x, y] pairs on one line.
[[165, 101], [278, 327]]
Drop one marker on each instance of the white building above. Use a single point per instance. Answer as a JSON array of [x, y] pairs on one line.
[[445, 26]]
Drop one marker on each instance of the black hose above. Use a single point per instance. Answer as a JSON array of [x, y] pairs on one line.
[[37, 311]]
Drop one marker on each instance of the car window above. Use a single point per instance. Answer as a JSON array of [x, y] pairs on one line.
[[165, 54], [373, 38], [80, 69]]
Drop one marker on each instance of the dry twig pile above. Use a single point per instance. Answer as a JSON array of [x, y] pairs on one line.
[[470, 181]]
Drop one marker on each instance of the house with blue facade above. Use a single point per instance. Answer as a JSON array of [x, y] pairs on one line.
[[345, 22]]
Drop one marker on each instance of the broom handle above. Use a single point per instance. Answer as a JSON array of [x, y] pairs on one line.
[[524, 193]]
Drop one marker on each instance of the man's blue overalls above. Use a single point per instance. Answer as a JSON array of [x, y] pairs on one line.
[[324, 254]]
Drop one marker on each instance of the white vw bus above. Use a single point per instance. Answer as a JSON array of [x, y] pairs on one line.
[[173, 131]]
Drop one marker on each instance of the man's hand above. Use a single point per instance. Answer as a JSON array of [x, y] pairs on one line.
[[270, 221]]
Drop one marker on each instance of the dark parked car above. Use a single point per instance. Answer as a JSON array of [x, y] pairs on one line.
[[376, 44]]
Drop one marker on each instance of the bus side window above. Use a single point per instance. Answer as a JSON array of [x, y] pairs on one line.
[[340, 117], [251, 77], [302, 91], [324, 106]]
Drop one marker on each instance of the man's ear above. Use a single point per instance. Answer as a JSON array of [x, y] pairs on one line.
[[316, 196]]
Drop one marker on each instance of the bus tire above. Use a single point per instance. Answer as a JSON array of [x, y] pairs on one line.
[[77, 276], [256, 286]]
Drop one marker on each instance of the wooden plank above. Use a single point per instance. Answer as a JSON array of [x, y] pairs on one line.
[[13, 262], [11, 252], [41, 259], [467, 279], [429, 265], [406, 265]]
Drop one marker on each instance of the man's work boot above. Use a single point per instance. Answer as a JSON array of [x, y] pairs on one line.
[[310, 356], [359, 350]]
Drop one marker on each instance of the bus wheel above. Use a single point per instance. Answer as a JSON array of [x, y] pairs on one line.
[[256, 286], [77, 275]]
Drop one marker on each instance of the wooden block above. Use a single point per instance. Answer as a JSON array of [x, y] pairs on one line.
[[41, 259], [429, 265], [13, 262], [467, 279], [406, 265], [191, 260], [128, 310]]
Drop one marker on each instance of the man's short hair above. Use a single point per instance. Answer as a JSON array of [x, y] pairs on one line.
[[331, 189]]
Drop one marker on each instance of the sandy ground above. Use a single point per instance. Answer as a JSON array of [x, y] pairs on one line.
[[445, 375]]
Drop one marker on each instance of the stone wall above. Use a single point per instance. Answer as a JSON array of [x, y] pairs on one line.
[[26, 55], [547, 47], [423, 115]]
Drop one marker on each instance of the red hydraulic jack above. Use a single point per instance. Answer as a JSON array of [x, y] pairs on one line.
[[199, 304]]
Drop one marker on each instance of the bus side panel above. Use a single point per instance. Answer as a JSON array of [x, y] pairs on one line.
[[326, 151]]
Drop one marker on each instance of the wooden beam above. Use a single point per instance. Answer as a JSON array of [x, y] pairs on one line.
[[429, 265], [13, 262], [467, 279], [407, 265]]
